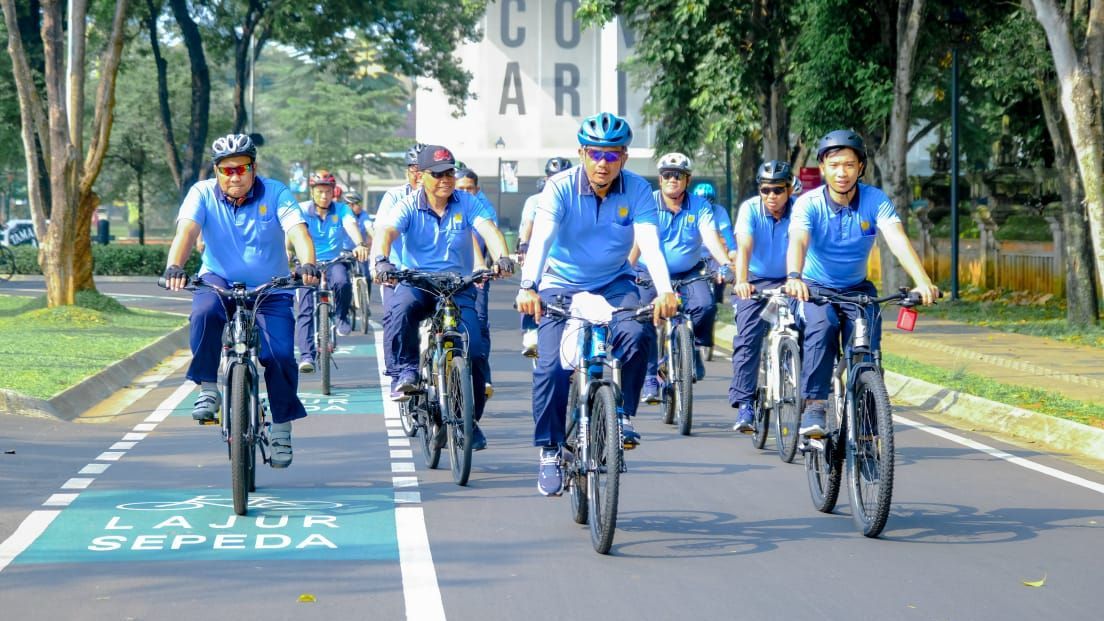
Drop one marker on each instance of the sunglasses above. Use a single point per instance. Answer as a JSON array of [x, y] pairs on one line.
[[607, 156], [672, 174], [451, 173], [771, 190], [230, 171]]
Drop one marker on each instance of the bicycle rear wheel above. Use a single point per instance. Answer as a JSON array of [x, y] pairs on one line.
[[406, 417], [762, 418], [363, 303], [870, 457], [787, 415], [572, 408], [682, 363], [431, 451], [604, 468], [323, 336], [459, 418], [240, 391], [7, 263]]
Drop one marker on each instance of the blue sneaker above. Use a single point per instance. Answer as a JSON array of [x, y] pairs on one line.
[[550, 474], [813, 422], [650, 393], [479, 441], [745, 419], [629, 436], [402, 386]]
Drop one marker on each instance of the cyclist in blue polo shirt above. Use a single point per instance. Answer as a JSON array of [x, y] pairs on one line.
[[436, 224], [244, 219], [832, 231], [723, 222], [762, 238], [685, 227], [330, 224], [365, 223], [468, 181], [583, 232]]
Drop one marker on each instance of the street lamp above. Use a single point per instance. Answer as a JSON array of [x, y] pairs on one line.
[[957, 20], [499, 145]]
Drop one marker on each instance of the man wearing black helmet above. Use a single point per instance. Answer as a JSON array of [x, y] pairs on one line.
[[525, 230], [244, 219], [762, 238], [832, 231]]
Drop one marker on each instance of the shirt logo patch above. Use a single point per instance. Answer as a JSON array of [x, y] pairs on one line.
[[333, 218], [690, 218], [263, 209], [623, 212]]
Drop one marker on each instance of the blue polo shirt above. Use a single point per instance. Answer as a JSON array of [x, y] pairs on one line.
[[770, 238], [244, 243], [593, 236], [364, 225], [327, 233], [680, 234], [494, 218], [435, 244], [724, 226], [840, 237], [387, 203]]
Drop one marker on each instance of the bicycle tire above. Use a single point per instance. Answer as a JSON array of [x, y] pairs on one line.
[[664, 373], [364, 300], [406, 418], [787, 415], [870, 454], [460, 418], [604, 468], [7, 263], [683, 363], [824, 468], [430, 422], [572, 407], [239, 450], [762, 419], [323, 337], [576, 469]]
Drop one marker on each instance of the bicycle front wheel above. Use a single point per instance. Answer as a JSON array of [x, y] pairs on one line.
[[459, 418], [605, 453], [824, 466], [870, 454], [363, 300], [787, 416], [323, 336], [682, 362], [240, 451], [7, 263]]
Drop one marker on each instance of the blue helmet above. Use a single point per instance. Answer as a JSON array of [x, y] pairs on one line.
[[605, 130], [706, 191]]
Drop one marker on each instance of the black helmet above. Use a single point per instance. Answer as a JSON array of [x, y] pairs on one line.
[[776, 171], [231, 145], [841, 138], [555, 165], [412, 154]]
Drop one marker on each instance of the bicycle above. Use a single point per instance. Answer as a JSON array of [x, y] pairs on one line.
[[779, 386], [591, 462], [325, 326], [243, 412], [362, 299], [442, 408], [860, 421], [675, 337], [7, 263]]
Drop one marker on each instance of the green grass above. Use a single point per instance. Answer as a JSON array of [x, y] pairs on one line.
[[45, 351], [1027, 398]]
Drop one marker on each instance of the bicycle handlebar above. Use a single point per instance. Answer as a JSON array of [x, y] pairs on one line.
[[442, 283], [903, 297], [236, 289], [675, 284], [639, 313]]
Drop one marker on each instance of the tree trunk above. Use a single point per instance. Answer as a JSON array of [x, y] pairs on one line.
[[893, 159], [171, 154], [195, 149], [141, 208], [83, 266], [1082, 308]]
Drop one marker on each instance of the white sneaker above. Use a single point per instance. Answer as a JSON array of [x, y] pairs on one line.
[[279, 441], [529, 344]]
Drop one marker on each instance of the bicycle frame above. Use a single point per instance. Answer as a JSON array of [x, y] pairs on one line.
[[783, 327]]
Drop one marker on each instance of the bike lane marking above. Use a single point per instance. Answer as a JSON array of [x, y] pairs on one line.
[[421, 591], [999, 454]]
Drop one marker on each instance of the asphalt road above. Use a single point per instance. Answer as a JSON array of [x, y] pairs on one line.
[[709, 528]]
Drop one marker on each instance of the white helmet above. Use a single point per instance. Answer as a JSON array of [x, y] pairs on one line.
[[675, 161]]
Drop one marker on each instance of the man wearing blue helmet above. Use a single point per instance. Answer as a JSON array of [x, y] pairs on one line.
[[832, 231], [583, 231]]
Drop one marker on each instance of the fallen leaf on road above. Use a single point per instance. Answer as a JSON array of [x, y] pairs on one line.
[[307, 598], [1037, 583]]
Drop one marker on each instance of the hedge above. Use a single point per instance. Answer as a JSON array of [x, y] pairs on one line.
[[111, 260]]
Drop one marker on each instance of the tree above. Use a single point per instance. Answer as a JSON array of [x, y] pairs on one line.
[[53, 127], [1078, 57]]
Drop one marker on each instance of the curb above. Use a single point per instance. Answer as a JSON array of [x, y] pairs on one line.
[[68, 404], [1055, 433]]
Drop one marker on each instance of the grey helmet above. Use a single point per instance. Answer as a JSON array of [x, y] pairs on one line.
[[775, 171], [839, 139], [231, 145], [412, 154]]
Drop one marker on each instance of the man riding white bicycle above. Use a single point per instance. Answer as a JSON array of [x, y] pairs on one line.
[[685, 226], [583, 232], [762, 238], [435, 225], [244, 219]]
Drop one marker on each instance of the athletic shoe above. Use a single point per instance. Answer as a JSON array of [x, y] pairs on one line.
[[550, 473], [650, 393], [745, 419], [813, 422], [628, 433], [529, 343], [306, 365], [279, 441], [206, 406]]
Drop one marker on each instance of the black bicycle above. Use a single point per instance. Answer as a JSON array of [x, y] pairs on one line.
[[593, 455], [442, 408], [860, 421], [362, 298], [325, 319], [244, 427]]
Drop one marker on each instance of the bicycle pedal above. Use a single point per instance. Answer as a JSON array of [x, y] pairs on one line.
[[210, 421]]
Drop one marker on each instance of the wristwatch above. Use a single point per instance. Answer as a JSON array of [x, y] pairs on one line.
[[794, 276], [379, 258], [528, 284], [365, 244]]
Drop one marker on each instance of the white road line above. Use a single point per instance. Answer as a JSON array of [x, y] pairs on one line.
[[402, 466], [110, 456], [402, 454], [168, 405], [134, 437], [77, 483], [122, 446], [1010, 458], [33, 526], [94, 469], [421, 592], [145, 426], [408, 497], [398, 442], [394, 422], [60, 500]]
